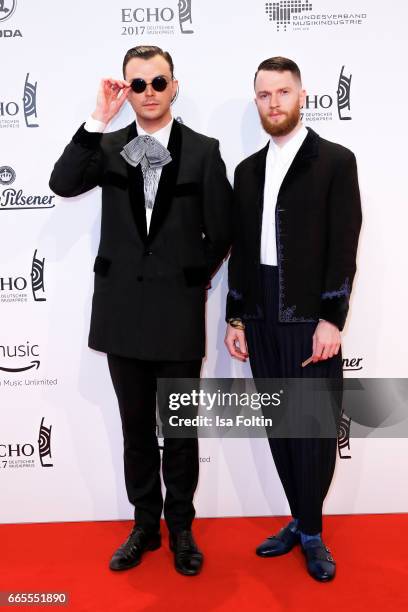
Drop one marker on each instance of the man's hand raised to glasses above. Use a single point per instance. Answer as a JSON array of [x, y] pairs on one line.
[[112, 94]]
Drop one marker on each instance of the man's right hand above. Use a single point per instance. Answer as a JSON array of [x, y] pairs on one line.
[[236, 343], [112, 94]]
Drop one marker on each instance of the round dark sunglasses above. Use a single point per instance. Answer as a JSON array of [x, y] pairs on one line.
[[159, 83]]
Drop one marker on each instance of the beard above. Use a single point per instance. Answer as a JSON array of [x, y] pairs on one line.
[[285, 126]]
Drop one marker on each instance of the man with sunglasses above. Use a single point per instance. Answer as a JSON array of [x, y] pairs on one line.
[[166, 219]]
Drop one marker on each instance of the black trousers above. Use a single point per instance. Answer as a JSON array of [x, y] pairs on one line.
[[135, 384], [276, 350]]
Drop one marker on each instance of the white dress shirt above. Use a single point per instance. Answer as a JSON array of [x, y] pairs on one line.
[[278, 161], [162, 135]]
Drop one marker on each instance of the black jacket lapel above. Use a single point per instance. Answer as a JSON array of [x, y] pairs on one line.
[[167, 182], [260, 165], [136, 190], [253, 188]]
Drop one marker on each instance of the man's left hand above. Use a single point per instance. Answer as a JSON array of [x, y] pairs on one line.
[[326, 341]]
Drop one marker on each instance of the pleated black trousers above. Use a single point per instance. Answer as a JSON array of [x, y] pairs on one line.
[[135, 384], [277, 350]]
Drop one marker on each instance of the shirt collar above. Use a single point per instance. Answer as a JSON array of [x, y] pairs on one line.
[[162, 135], [291, 147]]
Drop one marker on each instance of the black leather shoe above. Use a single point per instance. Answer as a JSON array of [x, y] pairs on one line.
[[279, 544], [320, 563], [188, 560], [130, 553]]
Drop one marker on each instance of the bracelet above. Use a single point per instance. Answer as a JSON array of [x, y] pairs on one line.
[[237, 324]]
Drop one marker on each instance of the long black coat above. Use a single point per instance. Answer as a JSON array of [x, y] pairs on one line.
[[149, 294], [318, 220]]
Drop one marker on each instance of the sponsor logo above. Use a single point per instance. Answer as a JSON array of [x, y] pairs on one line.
[[162, 20], [11, 110], [281, 12], [12, 198], [37, 278], [15, 288], [7, 175], [19, 358], [343, 96], [298, 15], [343, 440], [26, 454], [30, 103], [7, 9], [319, 107], [184, 9], [352, 364], [44, 444], [22, 363]]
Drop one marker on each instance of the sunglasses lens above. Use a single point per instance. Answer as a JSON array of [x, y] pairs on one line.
[[159, 83], [138, 85]]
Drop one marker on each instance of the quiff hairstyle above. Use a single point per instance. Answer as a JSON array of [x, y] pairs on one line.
[[147, 52], [280, 64]]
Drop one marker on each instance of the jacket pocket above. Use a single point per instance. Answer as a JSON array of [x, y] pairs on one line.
[[101, 266]]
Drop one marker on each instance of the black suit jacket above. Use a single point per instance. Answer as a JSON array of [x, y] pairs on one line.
[[318, 220], [150, 288]]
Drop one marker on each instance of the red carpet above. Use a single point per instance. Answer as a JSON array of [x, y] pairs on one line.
[[371, 555]]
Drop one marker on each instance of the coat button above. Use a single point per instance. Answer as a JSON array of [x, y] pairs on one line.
[[148, 252], [139, 278]]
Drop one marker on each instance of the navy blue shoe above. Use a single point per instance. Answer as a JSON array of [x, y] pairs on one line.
[[281, 543], [320, 564]]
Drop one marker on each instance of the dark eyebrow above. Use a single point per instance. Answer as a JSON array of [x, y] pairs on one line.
[[266, 91]]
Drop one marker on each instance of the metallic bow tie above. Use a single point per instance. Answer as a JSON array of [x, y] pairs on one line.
[[156, 155]]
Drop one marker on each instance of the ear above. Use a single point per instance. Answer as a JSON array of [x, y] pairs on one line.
[[174, 89], [302, 98], [174, 98]]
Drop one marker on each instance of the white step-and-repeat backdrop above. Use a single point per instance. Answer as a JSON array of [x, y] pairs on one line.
[[60, 435]]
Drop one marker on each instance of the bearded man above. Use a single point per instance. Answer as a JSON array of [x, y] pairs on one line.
[[293, 260]]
